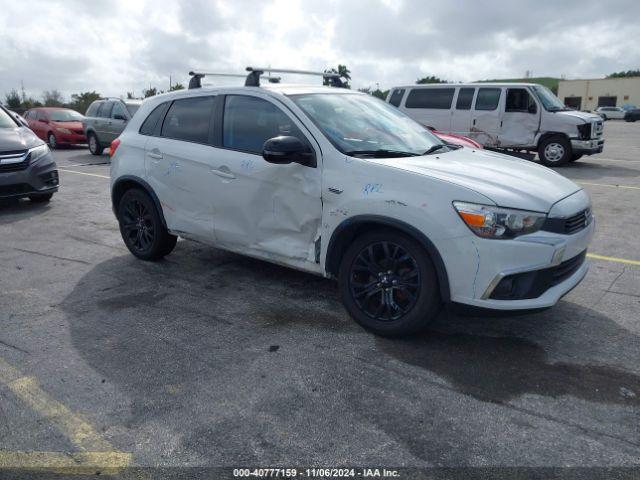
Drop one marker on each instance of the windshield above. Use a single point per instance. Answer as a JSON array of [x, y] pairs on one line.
[[6, 121], [65, 116], [361, 124], [550, 102]]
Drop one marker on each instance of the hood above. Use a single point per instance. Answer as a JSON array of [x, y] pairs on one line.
[[507, 181], [584, 116], [73, 125], [19, 138]]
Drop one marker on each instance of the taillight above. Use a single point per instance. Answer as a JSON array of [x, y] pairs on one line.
[[114, 146]]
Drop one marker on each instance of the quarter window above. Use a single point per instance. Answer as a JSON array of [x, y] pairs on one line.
[[488, 98], [465, 97], [438, 98], [189, 119], [250, 121], [396, 97], [93, 109], [149, 125]]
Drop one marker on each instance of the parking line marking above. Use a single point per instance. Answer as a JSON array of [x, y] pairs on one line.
[[84, 173], [93, 447], [613, 185], [73, 463], [613, 259]]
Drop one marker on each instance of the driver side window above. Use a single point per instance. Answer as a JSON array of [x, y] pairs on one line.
[[519, 100], [250, 121]]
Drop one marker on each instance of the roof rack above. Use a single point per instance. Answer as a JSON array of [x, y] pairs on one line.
[[255, 74], [253, 79], [196, 77]]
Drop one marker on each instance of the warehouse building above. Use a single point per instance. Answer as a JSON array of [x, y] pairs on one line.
[[600, 92]]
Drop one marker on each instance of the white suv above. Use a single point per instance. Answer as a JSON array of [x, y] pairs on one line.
[[343, 185]]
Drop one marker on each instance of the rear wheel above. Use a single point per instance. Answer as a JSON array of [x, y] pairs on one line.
[[40, 197], [141, 226], [94, 145], [388, 283], [555, 151]]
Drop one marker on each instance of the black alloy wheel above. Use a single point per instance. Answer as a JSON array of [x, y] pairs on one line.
[[388, 283], [141, 227]]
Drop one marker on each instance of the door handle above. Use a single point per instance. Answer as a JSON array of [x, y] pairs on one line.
[[474, 121], [157, 156], [222, 173]]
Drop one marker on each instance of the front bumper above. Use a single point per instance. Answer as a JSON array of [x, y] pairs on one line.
[[71, 138], [38, 178], [587, 147], [476, 267]]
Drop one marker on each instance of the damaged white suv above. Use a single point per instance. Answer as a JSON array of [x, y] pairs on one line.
[[343, 185]]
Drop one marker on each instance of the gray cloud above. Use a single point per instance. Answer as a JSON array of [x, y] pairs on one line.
[[125, 45]]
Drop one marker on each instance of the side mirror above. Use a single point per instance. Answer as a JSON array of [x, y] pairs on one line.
[[44, 120], [284, 149], [118, 116]]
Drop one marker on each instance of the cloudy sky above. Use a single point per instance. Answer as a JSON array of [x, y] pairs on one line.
[[115, 46]]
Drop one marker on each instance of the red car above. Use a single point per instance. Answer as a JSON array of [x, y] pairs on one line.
[[56, 126], [455, 139]]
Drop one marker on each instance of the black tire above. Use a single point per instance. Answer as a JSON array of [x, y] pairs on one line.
[[364, 274], [576, 156], [94, 144], [141, 226], [604, 118], [51, 140], [40, 197], [555, 151]]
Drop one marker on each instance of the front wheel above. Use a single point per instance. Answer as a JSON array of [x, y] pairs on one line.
[[141, 226], [555, 151], [388, 283], [53, 143]]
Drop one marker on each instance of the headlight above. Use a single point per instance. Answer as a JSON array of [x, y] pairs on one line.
[[64, 130], [36, 153], [496, 222], [584, 131]]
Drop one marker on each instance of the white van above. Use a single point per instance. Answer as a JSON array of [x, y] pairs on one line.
[[521, 117]]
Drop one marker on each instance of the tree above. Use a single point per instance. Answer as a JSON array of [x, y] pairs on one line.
[[623, 74], [431, 79], [343, 71], [130, 96], [81, 101], [52, 98], [151, 91], [176, 86], [12, 100], [381, 94]]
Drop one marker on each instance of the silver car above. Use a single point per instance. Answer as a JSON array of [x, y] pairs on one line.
[[105, 120]]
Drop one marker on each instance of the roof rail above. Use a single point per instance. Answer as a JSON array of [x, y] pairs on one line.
[[253, 79], [196, 77]]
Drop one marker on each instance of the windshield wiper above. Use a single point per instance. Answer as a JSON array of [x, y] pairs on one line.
[[382, 153], [435, 148]]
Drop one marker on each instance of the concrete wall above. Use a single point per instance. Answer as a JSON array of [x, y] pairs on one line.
[[626, 90]]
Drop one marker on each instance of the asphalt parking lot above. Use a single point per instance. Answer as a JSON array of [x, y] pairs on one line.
[[212, 359]]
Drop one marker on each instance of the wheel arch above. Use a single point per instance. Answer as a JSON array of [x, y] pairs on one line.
[[350, 228], [127, 182], [547, 135]]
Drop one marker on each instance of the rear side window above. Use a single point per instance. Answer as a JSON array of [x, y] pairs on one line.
[[41, 115], [189, 119], [118, 109], [396, 97], [133, 108], [438, 98], [488, 98], [250, 121], [149, 125], [105, 110], [92, 110], [465, 97]]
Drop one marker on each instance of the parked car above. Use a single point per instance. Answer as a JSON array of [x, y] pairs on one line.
[[105, 120], [56, 126], [19, 118], [27, 168], [516, 116], [632, 115], [340, 184], [454, 139], [608, 113]]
